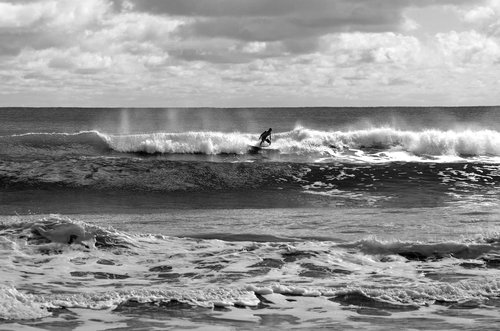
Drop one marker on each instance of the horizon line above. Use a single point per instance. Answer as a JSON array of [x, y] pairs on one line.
[[240, 107]]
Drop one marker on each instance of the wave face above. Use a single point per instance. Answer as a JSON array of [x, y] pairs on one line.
[[146, 174], [54, 144], [302, 141], [300, 144], [182, 143]]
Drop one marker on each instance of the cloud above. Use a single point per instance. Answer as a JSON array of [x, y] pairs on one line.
[[351, 49], [210, 51], [485, 17], [215, 31], [294, 26], [80, 62], [46, 24], [468, 48], [277, 20], [369, 11], [479, 14]]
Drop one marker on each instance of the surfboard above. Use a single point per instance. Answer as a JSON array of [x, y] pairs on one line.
[[254, 149], [261, 149]]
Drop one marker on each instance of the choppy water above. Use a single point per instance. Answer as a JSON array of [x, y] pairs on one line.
[[354, 218]]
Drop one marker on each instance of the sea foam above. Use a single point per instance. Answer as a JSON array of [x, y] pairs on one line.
[[303, 141], [18, 306], [299, 141]]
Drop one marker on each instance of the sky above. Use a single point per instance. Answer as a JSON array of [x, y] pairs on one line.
[[249, 53]]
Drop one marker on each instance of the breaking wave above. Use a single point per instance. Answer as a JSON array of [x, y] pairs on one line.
[[182, 143], [300, 141], [303, 141]]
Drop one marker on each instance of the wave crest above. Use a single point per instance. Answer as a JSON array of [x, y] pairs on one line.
[[303, 141], [431, 142], [83, 142], [299, 141], [182, 143]]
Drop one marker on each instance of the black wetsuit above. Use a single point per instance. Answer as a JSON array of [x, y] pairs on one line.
[[265, 137]]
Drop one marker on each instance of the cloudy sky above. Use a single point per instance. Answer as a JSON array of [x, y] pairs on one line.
[[226, 53]]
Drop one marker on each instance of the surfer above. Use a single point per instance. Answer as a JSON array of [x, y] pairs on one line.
[[265, 137]]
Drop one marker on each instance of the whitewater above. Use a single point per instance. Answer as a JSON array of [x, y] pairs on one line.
[[353, 218], [304, 141], [393, 143]]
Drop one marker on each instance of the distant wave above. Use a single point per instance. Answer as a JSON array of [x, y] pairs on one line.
[[396, 144], [54, 143]]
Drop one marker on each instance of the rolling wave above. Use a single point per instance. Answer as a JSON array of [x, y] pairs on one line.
[[302, 141], [182, 143], [55, 143], [369, 145]]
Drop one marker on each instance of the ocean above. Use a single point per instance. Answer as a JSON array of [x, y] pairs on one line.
[[353, 218]]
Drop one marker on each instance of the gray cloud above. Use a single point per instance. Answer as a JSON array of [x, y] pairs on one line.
[[279, 8], [209, 39], [295, 24], [264, 20], [42, 24], [13, 41], [14, 2], [213, 56]]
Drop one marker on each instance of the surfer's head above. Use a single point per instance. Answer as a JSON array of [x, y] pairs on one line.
[[270, 130]]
